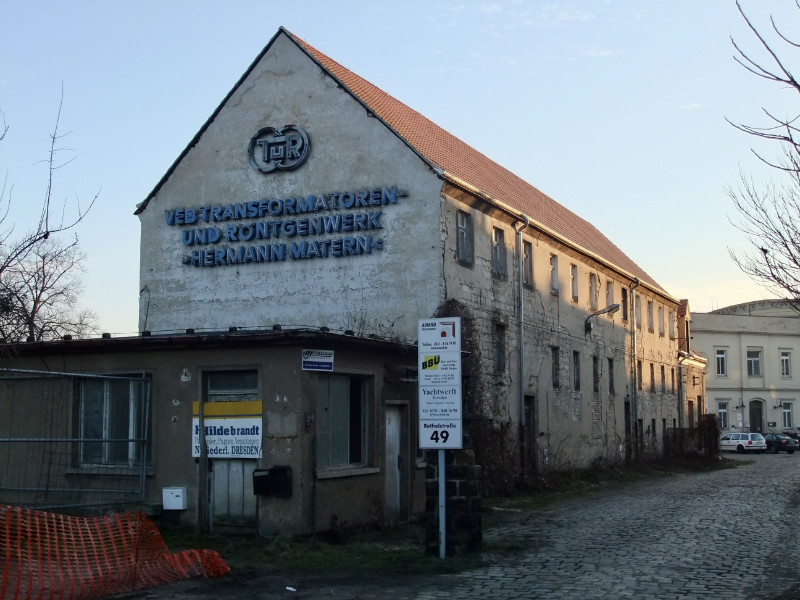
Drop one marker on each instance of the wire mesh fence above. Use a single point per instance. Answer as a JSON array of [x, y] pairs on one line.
[[72, 441]]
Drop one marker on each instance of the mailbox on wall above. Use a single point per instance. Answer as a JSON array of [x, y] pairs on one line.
[[276, 482]]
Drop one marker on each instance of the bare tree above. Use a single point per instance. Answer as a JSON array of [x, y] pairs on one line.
[[20, 253], [769, 216], [44, 290]]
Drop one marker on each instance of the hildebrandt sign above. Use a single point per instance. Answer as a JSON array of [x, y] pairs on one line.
[[331, 225], [232, 429]]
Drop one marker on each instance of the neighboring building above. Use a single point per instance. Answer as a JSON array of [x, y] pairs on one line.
[[692, 369], [312, 200], [752, 384]]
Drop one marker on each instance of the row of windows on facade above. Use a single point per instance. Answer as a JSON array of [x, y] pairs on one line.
[[724, 406], [465, 255], [114, 426], [754, 363], [575, 365]]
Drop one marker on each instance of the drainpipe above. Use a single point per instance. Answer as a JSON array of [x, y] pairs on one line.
[[520, 312], [635, 391]]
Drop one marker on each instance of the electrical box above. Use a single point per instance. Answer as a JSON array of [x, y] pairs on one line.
[[173, 498]]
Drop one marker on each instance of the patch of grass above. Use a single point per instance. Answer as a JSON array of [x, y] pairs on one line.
[[399, 552]]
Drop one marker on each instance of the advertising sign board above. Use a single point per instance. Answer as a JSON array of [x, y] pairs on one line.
[[439, 348]]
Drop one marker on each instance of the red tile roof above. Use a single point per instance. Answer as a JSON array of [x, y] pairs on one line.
[[459, 160]]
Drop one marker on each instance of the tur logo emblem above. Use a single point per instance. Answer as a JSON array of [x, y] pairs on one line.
[[273, 149]]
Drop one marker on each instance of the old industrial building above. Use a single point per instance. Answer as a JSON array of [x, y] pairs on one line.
[[751, 383], [286, 258]]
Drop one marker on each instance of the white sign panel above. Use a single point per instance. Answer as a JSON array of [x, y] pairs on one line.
[[439, 348], [228, 437], [318, 360]]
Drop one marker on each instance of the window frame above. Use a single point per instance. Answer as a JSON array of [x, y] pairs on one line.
[[499, 263], [465, 238], [554, 274], [576, 371], [573, 281], [555, 367], [331, 444], [611, 389], [722, 413], [721, 362], [527, 264], [787, 414], [786, 364], [135, 413], [624, 302], [754, 362]]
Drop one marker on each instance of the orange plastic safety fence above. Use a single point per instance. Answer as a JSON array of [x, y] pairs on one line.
[[52, 556]]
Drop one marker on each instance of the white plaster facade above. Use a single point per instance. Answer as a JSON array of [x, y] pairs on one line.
[[555, 394], [752, 381]]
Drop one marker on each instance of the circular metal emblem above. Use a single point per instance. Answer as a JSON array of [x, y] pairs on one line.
[[273, 149]]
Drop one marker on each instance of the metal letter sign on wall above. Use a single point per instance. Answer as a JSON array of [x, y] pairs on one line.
[[273, 149]]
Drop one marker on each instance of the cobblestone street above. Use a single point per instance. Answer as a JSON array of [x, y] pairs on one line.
[[708, 535], [693, 536]]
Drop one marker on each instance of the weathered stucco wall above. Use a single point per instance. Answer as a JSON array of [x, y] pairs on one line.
[[382, 292]]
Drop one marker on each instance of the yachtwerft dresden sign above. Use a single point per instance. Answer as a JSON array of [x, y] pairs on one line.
[[273, 149], [280, 229]]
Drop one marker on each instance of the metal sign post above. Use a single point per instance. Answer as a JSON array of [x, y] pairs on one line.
[[439, 348]]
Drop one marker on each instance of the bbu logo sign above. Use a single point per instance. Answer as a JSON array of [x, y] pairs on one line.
[[430, 363]]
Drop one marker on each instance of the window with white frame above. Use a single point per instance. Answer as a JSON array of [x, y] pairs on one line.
[[671, 319], [554, 274], [498, 252], [754, 363], [787, 414], [661, 321], [594, 291], [721, 358], [464, 243], [786, 364], [527, 264], [722, 413], [342, 420], [111, 423], [650, 327], [573, 278], [609, 293]]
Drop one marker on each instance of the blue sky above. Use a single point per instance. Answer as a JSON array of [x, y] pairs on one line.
[[616, 109]]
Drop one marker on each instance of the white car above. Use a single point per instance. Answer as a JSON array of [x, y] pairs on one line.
[[743, 442]]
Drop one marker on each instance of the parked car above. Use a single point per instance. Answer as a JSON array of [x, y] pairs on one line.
[[743, 442], [777, 442]]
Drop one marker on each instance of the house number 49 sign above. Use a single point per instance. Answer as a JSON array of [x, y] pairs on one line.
[[439, 347]]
